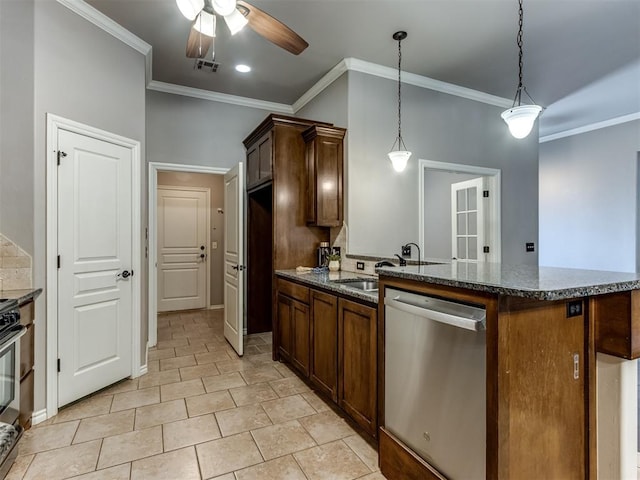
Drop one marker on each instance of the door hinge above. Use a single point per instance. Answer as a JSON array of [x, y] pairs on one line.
[[58, 365], [61, 154], [486, 249], [485, 193], [58, 261]]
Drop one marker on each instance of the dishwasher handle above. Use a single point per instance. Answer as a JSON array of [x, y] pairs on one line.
[[474, 324]]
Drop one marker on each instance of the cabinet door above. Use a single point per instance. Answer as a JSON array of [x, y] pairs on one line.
[[324, 343], [259, 161], [357, 382], [285, 327], [300, 348], [253, 166], [266, 155], [26, 401]]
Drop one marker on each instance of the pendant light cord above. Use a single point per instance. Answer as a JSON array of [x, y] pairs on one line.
[[400, 92], [517, 100]]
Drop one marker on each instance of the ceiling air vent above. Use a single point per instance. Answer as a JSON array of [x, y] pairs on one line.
[[206, 65]]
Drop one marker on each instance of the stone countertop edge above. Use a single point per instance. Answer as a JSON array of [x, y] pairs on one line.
[[540, 283], [23, 295], [325, 280]]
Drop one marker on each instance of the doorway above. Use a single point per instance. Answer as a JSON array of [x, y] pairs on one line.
[[437, 207], [187, 177]]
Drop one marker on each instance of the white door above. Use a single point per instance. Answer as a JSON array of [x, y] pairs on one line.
[[234, 257], [468, 222], [183, 228], [94, 276]]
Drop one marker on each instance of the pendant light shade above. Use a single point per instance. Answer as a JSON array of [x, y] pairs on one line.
[[521, 118], [190, 8], [235, 21], [206, 24], [399, 156]]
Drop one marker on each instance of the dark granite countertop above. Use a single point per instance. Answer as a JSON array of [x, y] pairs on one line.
[[331, 281], [541, 283], [22, 296]]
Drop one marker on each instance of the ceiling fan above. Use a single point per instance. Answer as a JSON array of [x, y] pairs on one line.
[[237, 14]]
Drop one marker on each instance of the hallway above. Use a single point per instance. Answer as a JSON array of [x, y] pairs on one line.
[[200, 412]]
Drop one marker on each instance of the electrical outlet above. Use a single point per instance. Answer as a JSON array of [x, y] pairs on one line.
[[406, 250], [359, 265], [530, 247], [574, 309]]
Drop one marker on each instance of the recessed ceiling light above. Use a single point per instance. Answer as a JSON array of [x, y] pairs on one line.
[[243, 68]]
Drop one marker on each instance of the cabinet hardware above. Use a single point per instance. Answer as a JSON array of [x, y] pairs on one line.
[[576, 366]]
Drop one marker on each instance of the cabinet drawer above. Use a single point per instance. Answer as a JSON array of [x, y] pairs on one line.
[[26, 351], [294, 290], [26, 313]]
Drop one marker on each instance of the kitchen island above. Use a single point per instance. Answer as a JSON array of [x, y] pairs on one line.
[[543, 327]]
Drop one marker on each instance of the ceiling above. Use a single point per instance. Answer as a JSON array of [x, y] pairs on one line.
[[577, 53]]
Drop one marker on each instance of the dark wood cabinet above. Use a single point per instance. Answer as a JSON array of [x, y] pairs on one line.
[[26, 364], [259, 162], [357, 363], [278, 236], [293, 330], [324, 335], [300, 352], [325, 159]]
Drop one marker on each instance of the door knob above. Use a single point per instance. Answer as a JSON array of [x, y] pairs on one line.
[[202, 255], [125, 274], [201, 247]]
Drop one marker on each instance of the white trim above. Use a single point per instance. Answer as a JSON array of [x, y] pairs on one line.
[[113, 28], [494, 181], [39, 416], [207, 192], [357, 65], [216, 307], [154, 168], [219, 97], [144, 369], [330, 77], [591, 127], [54, 124]]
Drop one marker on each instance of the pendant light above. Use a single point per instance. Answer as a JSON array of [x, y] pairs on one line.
[[400, 156], [520, 118]]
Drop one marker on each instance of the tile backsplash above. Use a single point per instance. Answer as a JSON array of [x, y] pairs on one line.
[[15, 266]]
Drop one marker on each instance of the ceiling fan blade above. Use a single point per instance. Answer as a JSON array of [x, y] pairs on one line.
[[197, 44], [273, 30]]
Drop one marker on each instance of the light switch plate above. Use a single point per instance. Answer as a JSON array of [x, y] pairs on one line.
[[214, 245]]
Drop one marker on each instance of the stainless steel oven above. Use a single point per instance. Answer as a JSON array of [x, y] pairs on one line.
[[10, 374]]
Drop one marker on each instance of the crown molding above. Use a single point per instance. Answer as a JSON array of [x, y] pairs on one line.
[[591, 127], [219, 97], [330, 77], [357, 65], [103, 22]]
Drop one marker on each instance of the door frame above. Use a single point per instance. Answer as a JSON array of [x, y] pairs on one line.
[[494, 182], [152, 235], [207, 192], [54, 124]]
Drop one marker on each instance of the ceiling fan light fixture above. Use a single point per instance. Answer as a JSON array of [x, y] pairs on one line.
[[235, 21], [206, 24], [190, 8], [223, 7]]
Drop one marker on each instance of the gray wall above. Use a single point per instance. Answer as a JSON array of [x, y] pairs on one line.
[[589, 199], [190, 131], [86, 75], [437, 211], [215, 184], [383, 204], [331, 105], [16, 121]]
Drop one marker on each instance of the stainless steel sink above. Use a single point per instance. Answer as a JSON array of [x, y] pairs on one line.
[[361, 284]]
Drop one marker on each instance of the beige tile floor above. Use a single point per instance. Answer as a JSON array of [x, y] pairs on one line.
[[201, 412]]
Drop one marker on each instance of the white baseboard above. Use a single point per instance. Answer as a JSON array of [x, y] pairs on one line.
[[144, 369], [39, 416], [216, 307]]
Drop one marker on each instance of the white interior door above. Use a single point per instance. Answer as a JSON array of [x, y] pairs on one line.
[[94, 276], [468, 221], [234, 257], [183, 228]]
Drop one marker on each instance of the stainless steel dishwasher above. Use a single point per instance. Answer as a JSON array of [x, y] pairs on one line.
[[435, 381]]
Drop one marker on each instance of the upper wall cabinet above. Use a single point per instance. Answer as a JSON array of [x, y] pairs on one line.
[[325, 159], [259, 160]]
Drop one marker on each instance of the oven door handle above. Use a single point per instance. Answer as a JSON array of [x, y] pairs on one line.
[[17, 332]]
